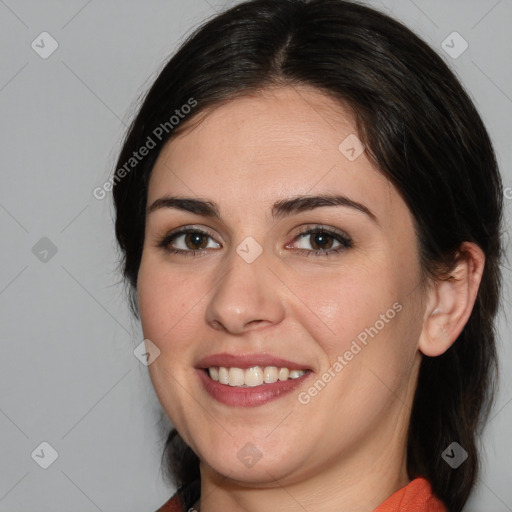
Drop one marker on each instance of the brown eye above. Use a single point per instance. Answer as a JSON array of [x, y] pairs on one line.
[[321, 240], [195, 240], [188, 242]]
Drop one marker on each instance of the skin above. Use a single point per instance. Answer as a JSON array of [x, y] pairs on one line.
[[346, 449]]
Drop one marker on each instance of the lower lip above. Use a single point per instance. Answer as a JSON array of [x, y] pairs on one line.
[[249, 396]]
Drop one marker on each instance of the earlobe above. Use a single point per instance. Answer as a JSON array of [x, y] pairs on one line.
[[451, 301]]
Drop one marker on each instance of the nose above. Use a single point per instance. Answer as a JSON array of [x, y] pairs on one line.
[[247, 297]]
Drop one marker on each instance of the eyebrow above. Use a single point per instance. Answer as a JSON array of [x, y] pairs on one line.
[[280, 209]]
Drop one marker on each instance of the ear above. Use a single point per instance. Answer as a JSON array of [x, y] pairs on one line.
[[451, 301]]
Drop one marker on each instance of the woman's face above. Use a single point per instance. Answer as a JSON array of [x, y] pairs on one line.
[[279, 282]]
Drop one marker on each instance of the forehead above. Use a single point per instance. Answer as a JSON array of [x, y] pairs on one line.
[[254, 150]]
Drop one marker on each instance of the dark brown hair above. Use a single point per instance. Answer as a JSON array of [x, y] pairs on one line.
[[424, 134]]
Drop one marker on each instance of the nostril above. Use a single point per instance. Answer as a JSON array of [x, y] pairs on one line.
[[254, 321]]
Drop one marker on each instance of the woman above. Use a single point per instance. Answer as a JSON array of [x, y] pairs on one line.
[[309, 208]]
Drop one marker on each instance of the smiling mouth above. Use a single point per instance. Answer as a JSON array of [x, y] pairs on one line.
[[253, 376]]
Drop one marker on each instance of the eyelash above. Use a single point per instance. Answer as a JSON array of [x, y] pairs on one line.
[[344, 240]]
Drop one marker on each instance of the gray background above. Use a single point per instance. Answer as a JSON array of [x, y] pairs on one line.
[[68, 373]]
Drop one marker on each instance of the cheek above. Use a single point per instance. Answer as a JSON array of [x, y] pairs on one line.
[[365, 321], [165, 297], [348, 303], [166, 301]]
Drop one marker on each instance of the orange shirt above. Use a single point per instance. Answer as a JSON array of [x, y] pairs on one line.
[[417, 496]]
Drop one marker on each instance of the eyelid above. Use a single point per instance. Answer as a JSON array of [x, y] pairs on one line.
[[190, 228], [313, 228], [304, 228]]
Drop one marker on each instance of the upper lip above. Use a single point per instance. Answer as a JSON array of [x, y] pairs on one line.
[[245, 361]]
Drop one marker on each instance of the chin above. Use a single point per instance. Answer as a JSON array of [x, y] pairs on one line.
[[255, 464]]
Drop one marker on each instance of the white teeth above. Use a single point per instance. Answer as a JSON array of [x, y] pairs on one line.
[[236, 377], [283, 374], [223, 375], [270, 374], [254, 376]]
